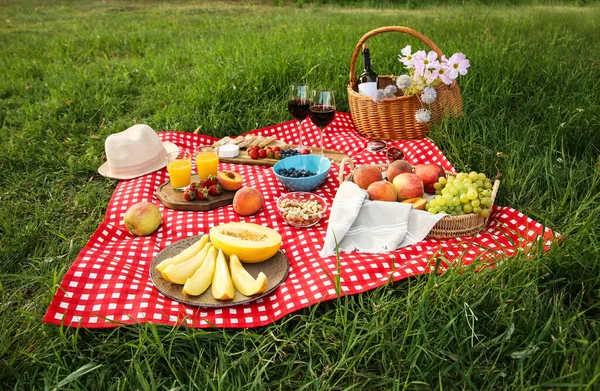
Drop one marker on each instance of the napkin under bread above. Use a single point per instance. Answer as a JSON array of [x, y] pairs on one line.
[[361, 225]]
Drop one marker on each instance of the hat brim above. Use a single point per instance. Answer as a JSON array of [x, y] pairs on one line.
[[104, 169]]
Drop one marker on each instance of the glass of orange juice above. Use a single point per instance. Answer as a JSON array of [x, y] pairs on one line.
[[179, 166], [207, 161]]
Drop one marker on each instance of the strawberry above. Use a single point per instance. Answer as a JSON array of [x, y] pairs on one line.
[[277, 155], [253, 154], [214, 190], [270, 154], [189, 194], [202, 193], [193, 186], [305, 152], [276, 149], [210, 181], [262, 153]]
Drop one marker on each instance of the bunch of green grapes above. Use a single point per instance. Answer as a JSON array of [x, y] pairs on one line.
[[462, 194]]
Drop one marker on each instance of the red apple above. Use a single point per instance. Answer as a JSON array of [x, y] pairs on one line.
[[408, 185], [397, 167], [429, 174]]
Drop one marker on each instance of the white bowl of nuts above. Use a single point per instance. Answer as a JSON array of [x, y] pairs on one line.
[[301, 209]]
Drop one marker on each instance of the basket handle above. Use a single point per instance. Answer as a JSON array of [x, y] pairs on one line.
[[388, 29], [343, 163]]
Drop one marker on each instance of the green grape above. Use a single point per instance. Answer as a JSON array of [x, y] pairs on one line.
[[458, 208], [475, 203], [481, 176], [461, 175], [464, 198], [439, 200], [473, 175], [486, 193], [486, 201], [468, 181], [485, 213], [467, 208], [455, 201], [444, 209], [438, 208], [438, 192], [488, 185], [472, 194], [432, 203], [453, 213], [432, 210], [450, 179], [477, 210], [442, 180], [479, 183], [448, 199], [438, 186], [453, 190]]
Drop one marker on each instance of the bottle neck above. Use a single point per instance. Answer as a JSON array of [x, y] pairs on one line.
[[367, 59]]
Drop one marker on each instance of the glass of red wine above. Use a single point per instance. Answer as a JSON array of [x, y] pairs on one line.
[[298, 105], [322, 110]]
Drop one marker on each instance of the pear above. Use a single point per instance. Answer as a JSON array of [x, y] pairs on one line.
[[222, 286], [182, 271], [184, 255], [243, 281], [201, 280]]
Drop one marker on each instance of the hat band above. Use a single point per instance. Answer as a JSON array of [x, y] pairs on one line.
[[141, 167]]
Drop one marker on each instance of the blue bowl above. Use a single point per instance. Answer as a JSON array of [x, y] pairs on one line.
[[314, 163]]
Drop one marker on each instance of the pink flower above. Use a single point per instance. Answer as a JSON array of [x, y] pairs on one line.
[[458, 64]]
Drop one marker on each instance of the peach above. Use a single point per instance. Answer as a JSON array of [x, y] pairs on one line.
[[382, 191], [417, 202], [408, 185], [248, 201], [365, 175], [397, 167], [429, 174], [230, 180]]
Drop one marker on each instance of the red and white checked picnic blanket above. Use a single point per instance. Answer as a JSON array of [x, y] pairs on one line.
[[109, 283]]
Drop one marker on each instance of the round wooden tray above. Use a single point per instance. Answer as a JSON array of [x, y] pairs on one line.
[[173, 199], [276, 268]]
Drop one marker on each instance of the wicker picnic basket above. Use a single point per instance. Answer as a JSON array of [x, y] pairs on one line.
[[394, 118], [449, 226]]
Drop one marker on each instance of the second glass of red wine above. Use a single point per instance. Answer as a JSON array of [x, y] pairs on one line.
[[322, 110], [298, 105]]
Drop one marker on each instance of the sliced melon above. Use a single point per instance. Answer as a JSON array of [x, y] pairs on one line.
[[184, 255], [250, 242], [179, 273], [201, 280], [222, 286], [243, 281]]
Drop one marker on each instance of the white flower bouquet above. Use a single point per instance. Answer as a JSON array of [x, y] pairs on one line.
[[425, 72]]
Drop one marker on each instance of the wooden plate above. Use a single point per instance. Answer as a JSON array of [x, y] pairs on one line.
[[173, 199], [244, 158], [276, 268]]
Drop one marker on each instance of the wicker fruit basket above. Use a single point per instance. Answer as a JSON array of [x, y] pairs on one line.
[[394, 118], [449, 226]]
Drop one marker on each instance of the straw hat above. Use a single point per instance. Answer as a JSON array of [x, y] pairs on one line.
[[134, 152]]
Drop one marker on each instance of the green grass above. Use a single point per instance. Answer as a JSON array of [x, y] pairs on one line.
[[74, 72]]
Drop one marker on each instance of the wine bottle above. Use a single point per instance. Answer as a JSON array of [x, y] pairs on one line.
[[367, 80]]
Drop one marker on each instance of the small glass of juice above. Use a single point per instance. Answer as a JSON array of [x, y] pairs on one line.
[[207, 160], [179, 166]]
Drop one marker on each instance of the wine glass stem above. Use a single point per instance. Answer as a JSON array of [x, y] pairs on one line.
[[300, 143], [322, 135]]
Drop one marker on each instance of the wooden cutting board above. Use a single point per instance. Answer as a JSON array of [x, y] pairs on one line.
[[244, 158], [173, 199]]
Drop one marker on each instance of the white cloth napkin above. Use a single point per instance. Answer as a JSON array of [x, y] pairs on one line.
[[358, 224]]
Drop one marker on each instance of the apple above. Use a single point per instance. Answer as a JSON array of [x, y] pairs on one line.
[[222, 285], [230, 180], [408, 185], [142, 219], [397, 167], [382, 191], [429, 174]]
